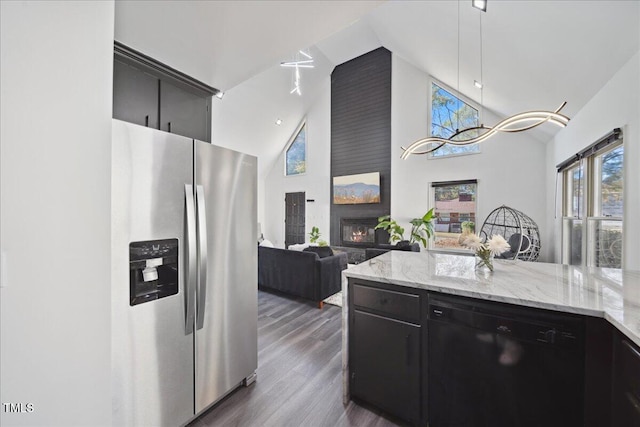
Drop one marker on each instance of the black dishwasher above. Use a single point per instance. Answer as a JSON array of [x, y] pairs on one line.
[[499, 365]]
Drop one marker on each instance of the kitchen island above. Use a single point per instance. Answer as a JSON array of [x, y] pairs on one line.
[[590, 293]]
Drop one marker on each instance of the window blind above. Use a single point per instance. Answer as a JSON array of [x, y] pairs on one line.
[[448, 183]]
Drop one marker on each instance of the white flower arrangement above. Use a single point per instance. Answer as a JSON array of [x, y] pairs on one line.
[[486, 251]]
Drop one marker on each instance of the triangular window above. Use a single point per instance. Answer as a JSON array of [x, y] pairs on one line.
[[296, 155], [448, 114]]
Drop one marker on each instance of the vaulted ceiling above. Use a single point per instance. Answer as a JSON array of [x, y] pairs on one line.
[[535, 54], [224, 43]]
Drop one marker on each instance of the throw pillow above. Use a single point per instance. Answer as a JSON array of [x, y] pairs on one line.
[[298, 247], [266, 243]]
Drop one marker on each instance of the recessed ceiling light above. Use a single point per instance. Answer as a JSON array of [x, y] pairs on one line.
[[479, 4], [279, 122], [477, 84]]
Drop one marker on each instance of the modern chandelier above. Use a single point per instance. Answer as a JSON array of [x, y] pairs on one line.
[[477, 134], [527, 120], [298, 63]]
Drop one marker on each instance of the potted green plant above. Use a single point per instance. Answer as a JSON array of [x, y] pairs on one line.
[[468, 227], [314, 235], [421, 229], [396, 232]]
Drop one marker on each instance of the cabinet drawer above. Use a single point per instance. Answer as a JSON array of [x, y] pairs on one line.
[[396, 304]]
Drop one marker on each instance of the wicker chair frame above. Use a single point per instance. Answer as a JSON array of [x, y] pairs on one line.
[[517, 228]]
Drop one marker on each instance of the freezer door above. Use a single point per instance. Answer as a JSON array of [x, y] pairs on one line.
[[226, 325], [152, 354]]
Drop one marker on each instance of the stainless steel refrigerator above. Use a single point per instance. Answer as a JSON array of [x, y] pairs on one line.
[[184, 284]]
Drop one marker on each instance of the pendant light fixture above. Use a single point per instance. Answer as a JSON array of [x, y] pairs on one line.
[[298, 63], [479, 4], [477, 134]]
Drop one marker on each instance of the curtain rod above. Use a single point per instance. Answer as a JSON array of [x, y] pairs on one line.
[[610, 138]]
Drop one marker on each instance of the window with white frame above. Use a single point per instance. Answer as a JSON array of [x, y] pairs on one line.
[[592, 194], [448, 114], [296, 153], [454, 205]]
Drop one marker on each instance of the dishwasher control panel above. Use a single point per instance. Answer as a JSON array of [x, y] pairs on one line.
[[526, 324]]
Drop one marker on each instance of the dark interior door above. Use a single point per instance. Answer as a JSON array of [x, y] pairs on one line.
[[294, 218]]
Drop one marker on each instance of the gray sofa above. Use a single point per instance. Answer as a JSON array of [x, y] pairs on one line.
[[301, 273]]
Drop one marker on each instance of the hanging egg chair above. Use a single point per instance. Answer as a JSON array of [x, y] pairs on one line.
[[517, 228]]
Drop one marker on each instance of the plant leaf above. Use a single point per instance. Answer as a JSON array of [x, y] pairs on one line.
[[427, 217]]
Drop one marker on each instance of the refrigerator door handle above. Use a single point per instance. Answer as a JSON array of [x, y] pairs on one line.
[[191, 259], [202, 251]]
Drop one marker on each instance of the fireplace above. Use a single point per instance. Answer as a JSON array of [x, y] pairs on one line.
[[359, 232]]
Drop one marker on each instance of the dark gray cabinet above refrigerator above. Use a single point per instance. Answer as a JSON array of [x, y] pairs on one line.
[[184, 113], [135, 95], [149, 93]]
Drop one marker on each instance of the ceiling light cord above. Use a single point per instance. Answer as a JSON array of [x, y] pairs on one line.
[[458, 88], [481, 78], [517, 123]]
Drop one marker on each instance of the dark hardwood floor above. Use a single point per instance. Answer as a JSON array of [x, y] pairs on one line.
[[299, 372]]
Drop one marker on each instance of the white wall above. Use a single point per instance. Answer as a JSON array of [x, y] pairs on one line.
[[244, 119], [509, 169], [315, 182], [617, 104], [55, 144]]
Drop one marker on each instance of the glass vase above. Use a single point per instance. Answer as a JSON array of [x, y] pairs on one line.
[[484, 263]]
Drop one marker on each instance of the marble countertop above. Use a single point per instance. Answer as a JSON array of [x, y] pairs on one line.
[[610, 293]]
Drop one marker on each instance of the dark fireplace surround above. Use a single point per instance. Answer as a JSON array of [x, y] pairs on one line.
[[360, 232], [368, 104]]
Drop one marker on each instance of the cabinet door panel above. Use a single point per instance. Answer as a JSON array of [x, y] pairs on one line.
[[183, 113], [626, 384], [385, 364], [135, 95]]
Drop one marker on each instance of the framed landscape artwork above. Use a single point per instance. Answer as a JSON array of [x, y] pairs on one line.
[[356, 189]]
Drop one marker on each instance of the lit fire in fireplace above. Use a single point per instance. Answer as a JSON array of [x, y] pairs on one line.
[[358, 232], [358, 236]]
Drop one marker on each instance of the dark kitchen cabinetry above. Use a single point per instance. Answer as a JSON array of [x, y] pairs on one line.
[[598, 370], [409, 349], [149, 93], [626, 383], [184, 113], [135, 95], [385, 339]]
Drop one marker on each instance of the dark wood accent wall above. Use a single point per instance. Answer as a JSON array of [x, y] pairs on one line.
[[361, 130]]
